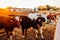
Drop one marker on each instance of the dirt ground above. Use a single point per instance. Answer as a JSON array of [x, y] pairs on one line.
[[48, 31]]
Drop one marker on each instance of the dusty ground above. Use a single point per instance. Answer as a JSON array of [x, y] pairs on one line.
[[48, 32]]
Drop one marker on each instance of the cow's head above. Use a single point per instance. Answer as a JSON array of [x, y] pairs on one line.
[[17, 21], [21, 18]]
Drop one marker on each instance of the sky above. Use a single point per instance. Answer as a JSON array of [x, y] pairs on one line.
[[28, 3]]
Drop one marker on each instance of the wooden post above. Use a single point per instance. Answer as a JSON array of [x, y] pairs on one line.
[[57, 32]]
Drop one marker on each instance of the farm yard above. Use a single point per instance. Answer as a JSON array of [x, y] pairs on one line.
[[29, 19], [48, 29]]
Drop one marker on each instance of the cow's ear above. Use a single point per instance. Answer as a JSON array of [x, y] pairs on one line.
[[39, 20], [20, 19], [11, 19]]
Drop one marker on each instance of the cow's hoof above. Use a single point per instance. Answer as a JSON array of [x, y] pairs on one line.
[[43, 39], [23, 37], [8, 39], [36, 38]]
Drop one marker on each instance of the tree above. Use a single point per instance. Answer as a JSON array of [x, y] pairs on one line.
[[47, 7]]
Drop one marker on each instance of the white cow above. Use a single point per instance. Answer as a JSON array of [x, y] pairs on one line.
[[33, 15]]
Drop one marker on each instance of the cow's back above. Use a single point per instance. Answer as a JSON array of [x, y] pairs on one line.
[[6, 22], [26, 22]]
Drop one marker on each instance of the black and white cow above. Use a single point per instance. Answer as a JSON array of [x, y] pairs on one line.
[[27, 22]]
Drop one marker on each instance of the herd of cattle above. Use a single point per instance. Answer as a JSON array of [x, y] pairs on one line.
[[10, 22]]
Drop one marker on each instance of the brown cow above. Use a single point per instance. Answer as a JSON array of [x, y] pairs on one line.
[[8, 23], [51, 17]]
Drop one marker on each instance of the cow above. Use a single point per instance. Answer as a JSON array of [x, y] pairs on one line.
[[26, 23], [9, 23], [40, 21], [51, 18]]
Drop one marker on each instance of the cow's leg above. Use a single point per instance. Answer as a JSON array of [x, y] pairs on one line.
[[11, 35], [8, 36], [23, 33], [7, 33], [36, 33], [41, 32]]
